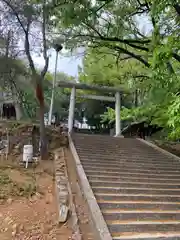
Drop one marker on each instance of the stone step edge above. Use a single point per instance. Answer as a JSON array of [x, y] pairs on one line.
[[139, 236]]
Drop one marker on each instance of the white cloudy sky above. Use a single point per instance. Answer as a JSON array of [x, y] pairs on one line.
[[66, 64]]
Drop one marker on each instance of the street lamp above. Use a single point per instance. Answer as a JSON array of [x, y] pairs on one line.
[[58, 48]]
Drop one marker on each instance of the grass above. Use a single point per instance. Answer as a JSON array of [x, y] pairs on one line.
[[4, 179], [10, 188]]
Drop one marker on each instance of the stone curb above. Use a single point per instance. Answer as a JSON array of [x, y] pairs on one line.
[[159, 149], [61, 185], [63, 192], [75, 225], [100, 227]]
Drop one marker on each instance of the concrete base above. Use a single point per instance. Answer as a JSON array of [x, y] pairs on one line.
[[119, 136]]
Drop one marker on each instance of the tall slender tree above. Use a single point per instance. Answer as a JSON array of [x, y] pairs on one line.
[[30, 19]]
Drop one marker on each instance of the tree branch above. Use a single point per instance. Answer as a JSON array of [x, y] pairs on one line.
[[27, 49], [176, 56], [46, 58], [138, 47], [143, 8], [133, 55], [140, 76], [26, 32], [113, 39], [170, 67], [56, 5], [103, 5], [138, 12], [15, 13], [177, 8]]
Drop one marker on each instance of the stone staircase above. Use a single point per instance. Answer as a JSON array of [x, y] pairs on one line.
[[137, 187]]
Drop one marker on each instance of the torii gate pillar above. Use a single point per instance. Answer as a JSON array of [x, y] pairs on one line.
[[71, 109], [117, 113]]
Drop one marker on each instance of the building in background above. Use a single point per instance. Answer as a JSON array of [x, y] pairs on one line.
[[9, 106]]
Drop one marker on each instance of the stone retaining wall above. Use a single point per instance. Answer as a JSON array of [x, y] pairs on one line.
[[61, 185]]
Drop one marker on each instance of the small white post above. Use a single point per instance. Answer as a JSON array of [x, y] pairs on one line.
[[71, 109], [118, 112]]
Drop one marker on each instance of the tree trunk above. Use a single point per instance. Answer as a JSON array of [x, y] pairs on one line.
[[35, 140], [43, 139], [136, 98], [18, 111]]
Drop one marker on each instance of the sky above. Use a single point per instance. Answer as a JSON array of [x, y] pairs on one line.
[[66, 64]]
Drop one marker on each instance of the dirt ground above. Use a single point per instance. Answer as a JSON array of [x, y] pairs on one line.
[[28, 208], [28, 204], [172, 147]]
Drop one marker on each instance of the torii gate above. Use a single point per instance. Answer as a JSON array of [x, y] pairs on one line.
[[116, 99]]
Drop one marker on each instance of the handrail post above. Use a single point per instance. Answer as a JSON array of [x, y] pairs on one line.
[[117, 113]]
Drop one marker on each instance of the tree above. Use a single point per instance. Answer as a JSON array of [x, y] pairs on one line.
[[145, 63], [11, 69], [151, 92], [101, 68], [115, 24], [30, 19]]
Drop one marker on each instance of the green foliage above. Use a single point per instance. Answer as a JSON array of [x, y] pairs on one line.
[[174, 119], [61, 97], [146, 64], [102, 68], [157, 87]]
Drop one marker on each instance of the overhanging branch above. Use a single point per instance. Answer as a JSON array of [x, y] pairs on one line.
[[46, 58], [26, 32], [27, 50], [113, 39], [177, 8], [133, 55], [15, 13], [176, 56], [103, 5]]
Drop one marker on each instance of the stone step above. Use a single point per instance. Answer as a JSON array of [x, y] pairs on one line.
[[141, 216], [147, 236], [137, 167], [133, 179], [136, 186], [132, 169], [118, 158], [140, 206], [135, 198], [130, 163], [131, 172], [99, 183], [131, 190], [120, 173], [148, 227]]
